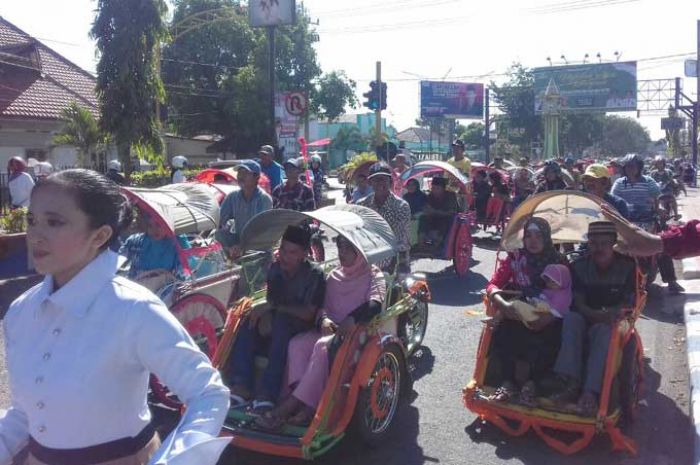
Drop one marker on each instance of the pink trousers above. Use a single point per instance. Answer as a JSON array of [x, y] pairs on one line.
[[307, 366]]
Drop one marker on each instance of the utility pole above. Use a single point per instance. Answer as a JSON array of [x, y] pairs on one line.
[[271, 65], [378, 111], [487, 126], [696, 119]]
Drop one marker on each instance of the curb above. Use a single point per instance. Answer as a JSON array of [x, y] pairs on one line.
[[691, 268]]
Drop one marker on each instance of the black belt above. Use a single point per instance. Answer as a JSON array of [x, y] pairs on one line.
[[104, 452]]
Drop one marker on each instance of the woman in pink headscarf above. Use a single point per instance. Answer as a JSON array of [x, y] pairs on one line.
[[355, 292]]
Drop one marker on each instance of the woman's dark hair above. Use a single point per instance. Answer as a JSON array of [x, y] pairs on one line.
[[413, 181], [98, 197]]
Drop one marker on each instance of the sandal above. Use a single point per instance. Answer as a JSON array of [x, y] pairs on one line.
[[528, 394], [587, 404], [238, 401], [269, 421], [262, 406], [303, 417], [567, 392], [504, 393]]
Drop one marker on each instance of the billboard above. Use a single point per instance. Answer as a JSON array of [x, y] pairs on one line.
[[289, 107], [459, 100], [272, 12], [593, 87]]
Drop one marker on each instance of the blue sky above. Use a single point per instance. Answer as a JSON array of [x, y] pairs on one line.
[[463, 40]]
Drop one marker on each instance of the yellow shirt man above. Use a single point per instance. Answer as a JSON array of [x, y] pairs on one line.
[[464, 165]]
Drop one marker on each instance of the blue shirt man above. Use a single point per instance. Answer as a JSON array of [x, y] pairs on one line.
[[270, 167]]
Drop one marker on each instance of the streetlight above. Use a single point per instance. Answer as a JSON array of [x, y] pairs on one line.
[[564, 58], [549, 59], [585, 58], [618, 55], [600, 58]]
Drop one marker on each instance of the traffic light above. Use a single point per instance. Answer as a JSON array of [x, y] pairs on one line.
[[376, 97]]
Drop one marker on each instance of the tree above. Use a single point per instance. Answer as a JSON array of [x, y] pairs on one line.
[[129, 88], [217, 74], [581, 130], [473, 134], [516, 98], [623, 135], [82, 131], [349, 138], [332, 94]]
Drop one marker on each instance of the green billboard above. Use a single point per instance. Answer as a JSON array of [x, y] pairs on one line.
[[591, 87]]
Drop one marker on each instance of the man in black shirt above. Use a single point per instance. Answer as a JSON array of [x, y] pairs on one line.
[[296, 289], [604, 283]]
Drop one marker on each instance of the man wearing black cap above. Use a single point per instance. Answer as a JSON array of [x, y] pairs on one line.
[[458, 159], [296, 289], [440, 208], [604, 283], [393, 209], [293, 194]]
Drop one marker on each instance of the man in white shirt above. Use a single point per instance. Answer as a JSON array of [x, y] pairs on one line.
[[20, 183]]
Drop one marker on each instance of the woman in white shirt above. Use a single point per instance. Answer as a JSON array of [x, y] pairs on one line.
[[20, 182], [177, 175], [80, 346]]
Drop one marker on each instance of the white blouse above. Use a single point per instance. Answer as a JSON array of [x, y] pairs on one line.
[[21, 190], [79, 361]]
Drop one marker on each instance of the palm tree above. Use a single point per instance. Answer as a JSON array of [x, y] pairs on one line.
[[81, 131]]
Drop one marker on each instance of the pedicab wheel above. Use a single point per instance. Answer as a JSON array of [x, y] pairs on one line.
[[203, 317], [413, 325], [630, 378], [463, 250], [378, 400]]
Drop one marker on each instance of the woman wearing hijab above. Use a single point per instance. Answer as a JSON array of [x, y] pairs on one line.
[[355, 291], [20, 182], [532, 345]]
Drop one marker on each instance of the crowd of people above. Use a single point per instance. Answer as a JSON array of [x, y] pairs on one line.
[[548, 310]]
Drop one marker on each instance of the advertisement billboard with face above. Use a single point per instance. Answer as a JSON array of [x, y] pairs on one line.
[[458, 100], [591, 87], [272, 12]]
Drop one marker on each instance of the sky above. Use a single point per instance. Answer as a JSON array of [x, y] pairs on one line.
[[454, 40]]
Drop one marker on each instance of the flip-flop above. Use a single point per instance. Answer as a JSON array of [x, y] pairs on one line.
[[528, 394], [269, 422], [262, 406], [238, 401]]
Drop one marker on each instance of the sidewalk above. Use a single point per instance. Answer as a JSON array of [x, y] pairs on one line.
[[689, 207]]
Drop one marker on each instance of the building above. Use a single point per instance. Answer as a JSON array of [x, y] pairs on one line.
[[36, 84]]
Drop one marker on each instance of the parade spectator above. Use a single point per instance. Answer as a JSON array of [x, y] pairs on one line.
[[20, 183], [296, 290], [319, 178], [269, 166], [177, 173], [293, 194], [604, 284], [393, 209], [481, 192], [114, 172], [100, 337], [458, 160], [240, 206], [553, 179]]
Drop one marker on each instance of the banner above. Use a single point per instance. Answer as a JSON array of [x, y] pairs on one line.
[[458, 100], [272, 12], [593, 87], [289, 108]]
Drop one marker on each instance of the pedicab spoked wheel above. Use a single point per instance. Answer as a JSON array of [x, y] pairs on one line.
[[413, 325], [203, 317], [378, 401], [463, 250], [630, 378]]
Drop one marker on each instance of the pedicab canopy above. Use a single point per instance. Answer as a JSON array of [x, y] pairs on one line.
[[365, 228], [568, 212], [183, 208], [429, 168]]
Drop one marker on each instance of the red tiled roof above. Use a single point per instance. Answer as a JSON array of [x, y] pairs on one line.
[[28, 93]]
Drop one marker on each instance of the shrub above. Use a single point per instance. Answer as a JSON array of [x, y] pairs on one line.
[[15, 221]]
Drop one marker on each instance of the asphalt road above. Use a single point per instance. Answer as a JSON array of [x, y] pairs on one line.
[[435, 427]]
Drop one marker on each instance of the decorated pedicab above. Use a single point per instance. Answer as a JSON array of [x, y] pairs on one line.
[[457, 243], [368, 375], [563, 427], [203, 285]]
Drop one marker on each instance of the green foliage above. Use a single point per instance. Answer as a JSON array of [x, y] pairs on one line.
[[356, 161], [217, 73], [333, 92], [623, 135], [81, 131], [517, 100], [472, 135], [15, 221], [128, 35], [157, 177], [349, 138]]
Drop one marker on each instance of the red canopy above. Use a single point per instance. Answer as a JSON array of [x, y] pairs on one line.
[[318, 143]]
